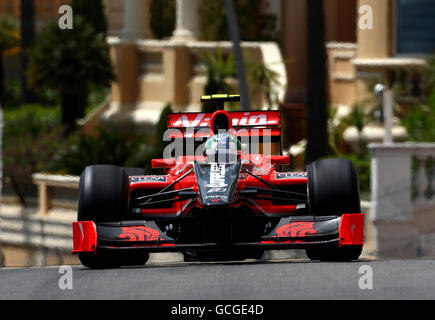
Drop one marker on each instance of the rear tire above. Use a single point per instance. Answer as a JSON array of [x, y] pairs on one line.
[[333, 189]]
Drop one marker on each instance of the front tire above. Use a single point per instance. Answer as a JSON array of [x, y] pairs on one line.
[[103, 194], [333, 189], [107, 259], [335, 254], [223, 255], [103, 197]]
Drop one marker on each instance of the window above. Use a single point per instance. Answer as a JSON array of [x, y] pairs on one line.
[[415, 26]]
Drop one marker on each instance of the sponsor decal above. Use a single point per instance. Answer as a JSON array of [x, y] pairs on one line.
[[217, 176], [139, 233], [201, 120], [291, 175], [216, 198], [144, 179], [296, 229], [217, 190], [251, 120]]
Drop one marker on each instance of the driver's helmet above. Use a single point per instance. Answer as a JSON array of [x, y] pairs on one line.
[[223, 148]]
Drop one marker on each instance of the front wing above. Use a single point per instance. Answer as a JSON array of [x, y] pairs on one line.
[[294, 232]]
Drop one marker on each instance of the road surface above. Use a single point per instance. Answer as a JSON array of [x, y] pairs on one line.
[[250, 280]]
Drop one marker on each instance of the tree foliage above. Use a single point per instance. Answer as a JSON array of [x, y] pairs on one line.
[[219, 68], [61, 59], [8, 33], [32, 135], [9, 39], [420, 121], [162, 18], [69, 61], [254, 23], [92, 12], [265, 79], [115, 146]]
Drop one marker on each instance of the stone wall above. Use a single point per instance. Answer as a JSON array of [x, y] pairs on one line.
[[403, 201]]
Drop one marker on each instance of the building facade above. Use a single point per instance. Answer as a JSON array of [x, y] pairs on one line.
[[153, 73]]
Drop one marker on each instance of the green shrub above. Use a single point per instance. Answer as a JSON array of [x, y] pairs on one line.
[[420, 121], [162, 18], [254, 24], [96, 97], [30, 119], [11, 94], [362, 164], [264, 78], [108, 147], [115, 146], [31, 137]]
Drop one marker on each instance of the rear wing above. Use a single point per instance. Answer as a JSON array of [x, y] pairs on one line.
[[252, 123]]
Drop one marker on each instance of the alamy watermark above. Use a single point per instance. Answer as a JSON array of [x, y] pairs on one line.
[[365, 281], [365, 21], [193, 142], [66, 19], [66, 280]]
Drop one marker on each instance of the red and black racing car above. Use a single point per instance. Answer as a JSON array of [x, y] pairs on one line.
[[229, 200]]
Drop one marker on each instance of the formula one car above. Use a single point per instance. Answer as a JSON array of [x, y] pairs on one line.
[[223, 196]]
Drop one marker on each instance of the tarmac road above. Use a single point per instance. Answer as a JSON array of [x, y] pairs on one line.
[[250, 280]]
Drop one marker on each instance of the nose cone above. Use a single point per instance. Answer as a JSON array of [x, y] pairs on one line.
[[217, 183]]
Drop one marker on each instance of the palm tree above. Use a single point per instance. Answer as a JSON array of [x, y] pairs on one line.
[[8, 39], [317, 110], [219, 68], [266, 79]]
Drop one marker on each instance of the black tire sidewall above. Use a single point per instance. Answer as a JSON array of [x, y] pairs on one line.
[[333, 187], [103, 194]]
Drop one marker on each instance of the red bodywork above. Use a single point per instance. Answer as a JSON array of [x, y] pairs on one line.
[[294, 234], [265, 166], [85, 236]]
